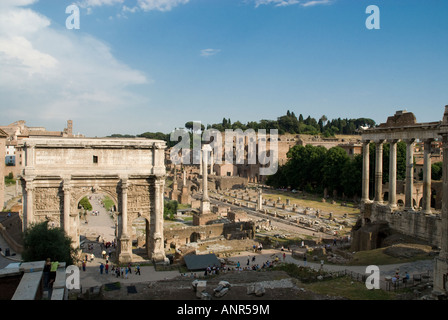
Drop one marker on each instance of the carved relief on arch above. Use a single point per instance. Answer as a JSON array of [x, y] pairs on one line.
[[48, 199], [139, 201], [111, 191]]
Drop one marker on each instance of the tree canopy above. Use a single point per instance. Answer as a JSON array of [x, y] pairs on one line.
[[41, 242], [314, 168]]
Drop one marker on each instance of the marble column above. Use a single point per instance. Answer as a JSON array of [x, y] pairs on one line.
[[124, 207], [408, 203], [426, 201], [365, 171], [157, 251], [205, 202], [393, 174], [29, 192], [66, 187], [379, 171], [125, 241]]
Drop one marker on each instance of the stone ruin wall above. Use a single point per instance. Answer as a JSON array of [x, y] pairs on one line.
[[182, 236], [413, 224]]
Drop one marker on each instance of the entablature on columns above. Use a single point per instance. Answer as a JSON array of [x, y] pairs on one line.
[[421, 132]]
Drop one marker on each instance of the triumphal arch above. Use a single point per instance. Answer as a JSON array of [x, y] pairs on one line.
[[59, 172]]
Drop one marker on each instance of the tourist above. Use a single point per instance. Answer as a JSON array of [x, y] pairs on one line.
[[137, 270], [92, 257], [53, 268], [304, 260], [126, 273], [101, 268], [106, 267], [83, 265], [47, 269], [406, 277], [284, 256]]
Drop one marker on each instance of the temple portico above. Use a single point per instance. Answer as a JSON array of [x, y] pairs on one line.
[[422, 223]]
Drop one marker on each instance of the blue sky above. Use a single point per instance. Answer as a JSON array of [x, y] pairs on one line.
[[152, 65]]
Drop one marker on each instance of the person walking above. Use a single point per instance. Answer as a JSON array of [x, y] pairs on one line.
[[137, 270], [46, 270], [304, 259], [83, 265], [101, 268]]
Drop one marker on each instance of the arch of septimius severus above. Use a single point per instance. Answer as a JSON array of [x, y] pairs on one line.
[[59, 172], [424, 223]]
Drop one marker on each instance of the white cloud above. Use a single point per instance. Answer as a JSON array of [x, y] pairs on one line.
[[315, 2], [284, 3], [144, 5], [161, 5], [98, 3], [49, 73], [277, 3], [209, 52]]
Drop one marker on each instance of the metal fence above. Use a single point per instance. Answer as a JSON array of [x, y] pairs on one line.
[[388, 283]]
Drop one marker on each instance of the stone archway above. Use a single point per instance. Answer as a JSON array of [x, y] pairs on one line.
[[59, 172]]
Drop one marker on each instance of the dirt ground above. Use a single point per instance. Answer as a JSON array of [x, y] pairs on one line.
[[278, 286]]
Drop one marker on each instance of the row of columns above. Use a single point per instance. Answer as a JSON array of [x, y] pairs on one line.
[[378, 195]]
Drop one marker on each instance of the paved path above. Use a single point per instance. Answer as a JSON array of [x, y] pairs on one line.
[[92, 277], [416, 267], [101, 224]]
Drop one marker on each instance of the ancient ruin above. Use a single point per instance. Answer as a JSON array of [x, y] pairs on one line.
[[58, 173], [427, 223]]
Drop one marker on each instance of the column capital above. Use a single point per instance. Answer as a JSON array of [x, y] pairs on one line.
[[379, 141], [393, 140], [66, 184], [124, 183], [409, 141]]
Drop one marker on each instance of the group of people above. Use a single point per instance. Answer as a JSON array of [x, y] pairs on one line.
[[396, 278], [118, 271], [258, 248], [49, 273]]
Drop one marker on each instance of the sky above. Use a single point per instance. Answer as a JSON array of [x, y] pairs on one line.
[[137, 66]]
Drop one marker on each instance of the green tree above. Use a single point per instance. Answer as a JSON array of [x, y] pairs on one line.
[[436, 171], [85, 204], [335, 161], [41, 242], [351, 177], [170, 209]]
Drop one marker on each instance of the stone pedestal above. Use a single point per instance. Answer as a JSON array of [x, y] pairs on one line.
[[125, 254]]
